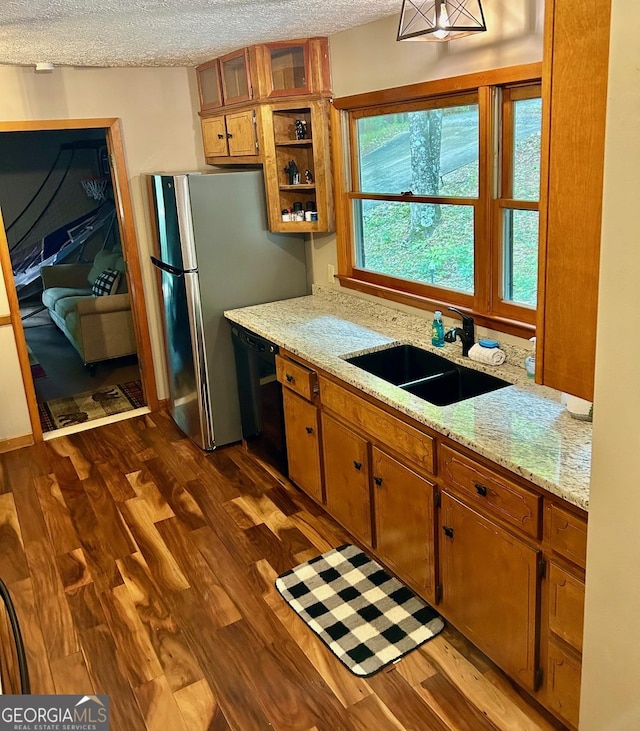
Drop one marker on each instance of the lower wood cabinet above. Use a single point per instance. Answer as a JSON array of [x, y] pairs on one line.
[[403, 506], [490, 587], [301, 422], [503, 560], [563, 682], [346, 473]]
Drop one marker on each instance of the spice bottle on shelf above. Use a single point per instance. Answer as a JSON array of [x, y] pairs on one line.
[[310, 210]]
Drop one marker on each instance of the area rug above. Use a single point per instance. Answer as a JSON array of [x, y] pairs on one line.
[[37, 371], [365, 616], [83, 407]]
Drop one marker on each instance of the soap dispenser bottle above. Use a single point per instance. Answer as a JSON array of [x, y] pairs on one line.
[[437, 330], [530, 360]]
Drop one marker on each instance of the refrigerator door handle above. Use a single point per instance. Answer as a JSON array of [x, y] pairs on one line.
[[170, 269]]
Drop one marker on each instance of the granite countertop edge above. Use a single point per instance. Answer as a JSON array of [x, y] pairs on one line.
[[523, 427]]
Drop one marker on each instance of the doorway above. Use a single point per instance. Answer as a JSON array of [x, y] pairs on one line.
[[67, 213]]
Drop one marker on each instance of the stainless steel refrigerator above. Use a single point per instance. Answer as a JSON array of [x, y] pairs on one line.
[[215, 252]]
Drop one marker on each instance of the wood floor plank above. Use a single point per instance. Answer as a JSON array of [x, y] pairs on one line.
[[94, 542], [408, 707], [29, 511], [104, 669], [146, 489], [217, 605], [163, 565], [175, 493], [165, 635], [480, 691], [121, 541], [60, 526], [370, 713], [35, 648], [85, 607], [13, 561], [159, 707], [452, 707], [73, 569], [134, 647], [65, 447], [197, 705], [71, 676], [51, 604]]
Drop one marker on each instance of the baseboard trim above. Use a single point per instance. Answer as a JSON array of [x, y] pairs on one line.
[[8, 445]]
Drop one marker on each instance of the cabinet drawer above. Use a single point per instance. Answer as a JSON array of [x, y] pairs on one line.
[[395, 434], [566, 606], [567, 534], [499, 496], [563, 683], [296, 377]]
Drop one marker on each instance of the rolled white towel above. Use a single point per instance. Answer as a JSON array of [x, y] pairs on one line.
[[488, 356]]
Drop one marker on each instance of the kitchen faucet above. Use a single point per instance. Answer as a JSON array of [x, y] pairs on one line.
[[466, 334]]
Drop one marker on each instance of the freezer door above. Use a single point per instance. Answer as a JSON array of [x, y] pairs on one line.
[[167, 206], [188, 383]]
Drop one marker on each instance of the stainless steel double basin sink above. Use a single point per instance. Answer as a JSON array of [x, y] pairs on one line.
[[427, 375]]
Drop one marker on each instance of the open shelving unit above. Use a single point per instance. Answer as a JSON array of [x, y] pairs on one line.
[[310, 154]]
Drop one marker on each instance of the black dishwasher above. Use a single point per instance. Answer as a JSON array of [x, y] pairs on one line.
[[260, 396]]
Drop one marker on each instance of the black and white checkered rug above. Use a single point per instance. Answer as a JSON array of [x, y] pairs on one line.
[[365, 616]]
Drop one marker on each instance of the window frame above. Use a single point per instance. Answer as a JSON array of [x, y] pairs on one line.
[[485, 304]]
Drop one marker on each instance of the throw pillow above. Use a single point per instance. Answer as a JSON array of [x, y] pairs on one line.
[[106, 283]]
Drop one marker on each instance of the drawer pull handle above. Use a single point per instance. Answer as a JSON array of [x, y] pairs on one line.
[[357, 465], [481, 489], [309, 429], [378, 481], [290, 378], [447, 531]]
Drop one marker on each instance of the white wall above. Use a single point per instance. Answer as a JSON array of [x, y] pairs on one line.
[[159, 127], [611, 667], [369, 58]]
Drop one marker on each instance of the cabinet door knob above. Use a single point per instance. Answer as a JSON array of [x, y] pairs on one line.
[[309, 429], [378, 481], [447, 531], [290, 378], [357, 465], [229, 135], [481, 489], [220, 137]]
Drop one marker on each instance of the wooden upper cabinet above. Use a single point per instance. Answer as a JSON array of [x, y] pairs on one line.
[[209, 86], [231, 135], [574, 107], [289, 68], [236, 77]]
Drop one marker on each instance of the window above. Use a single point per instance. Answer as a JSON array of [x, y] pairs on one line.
[[442, 204]]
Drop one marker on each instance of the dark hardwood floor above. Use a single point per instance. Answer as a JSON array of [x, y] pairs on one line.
[[143, 568]]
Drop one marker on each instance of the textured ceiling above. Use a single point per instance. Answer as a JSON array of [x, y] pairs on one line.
[[165, 32]]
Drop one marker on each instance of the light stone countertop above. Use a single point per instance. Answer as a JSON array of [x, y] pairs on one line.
[[522, 427]]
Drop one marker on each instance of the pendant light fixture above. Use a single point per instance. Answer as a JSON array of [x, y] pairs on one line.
[[440, 20]]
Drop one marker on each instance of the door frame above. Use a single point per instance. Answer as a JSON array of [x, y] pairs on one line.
[[124, 211]]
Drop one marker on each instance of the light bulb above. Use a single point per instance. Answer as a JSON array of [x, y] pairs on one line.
[[443, 22]]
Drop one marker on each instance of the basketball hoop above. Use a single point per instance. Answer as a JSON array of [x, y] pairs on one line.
[[95, 187]]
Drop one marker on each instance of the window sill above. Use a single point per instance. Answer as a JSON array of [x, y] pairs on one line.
[[494, 322]]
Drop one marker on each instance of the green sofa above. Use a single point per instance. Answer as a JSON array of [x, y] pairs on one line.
[[99, 328]]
